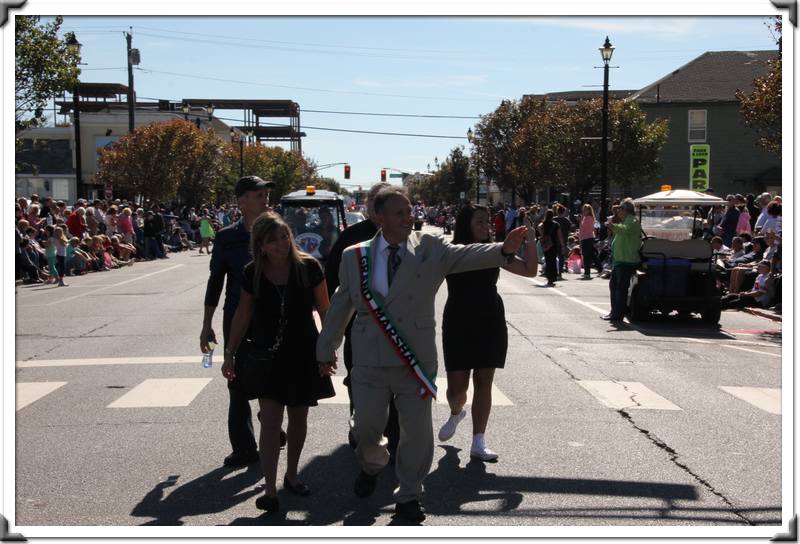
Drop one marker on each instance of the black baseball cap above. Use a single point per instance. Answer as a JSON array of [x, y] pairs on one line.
[[252, 183]]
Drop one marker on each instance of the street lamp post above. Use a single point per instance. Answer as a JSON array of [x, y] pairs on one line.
[[75, 46], [235, 137], [477, 170], [606, 51]]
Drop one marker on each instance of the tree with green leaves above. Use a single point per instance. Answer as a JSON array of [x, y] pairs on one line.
[[44, 68], [533, 144], [163, 160], [494, 142], [761, 108], [289, 171]]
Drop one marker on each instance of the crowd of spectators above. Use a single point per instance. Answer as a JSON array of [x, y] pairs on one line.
[[745, 235], [54, 240]]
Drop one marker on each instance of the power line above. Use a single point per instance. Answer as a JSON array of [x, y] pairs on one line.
[[361, 93], [307, 127], [172, 32], [177, 114], [284, 48], [392, 114], [303, 110]]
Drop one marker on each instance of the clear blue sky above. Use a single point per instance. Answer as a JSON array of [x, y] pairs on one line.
[[459, 66]]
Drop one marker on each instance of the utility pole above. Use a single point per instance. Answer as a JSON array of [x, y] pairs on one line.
[[133, 58]]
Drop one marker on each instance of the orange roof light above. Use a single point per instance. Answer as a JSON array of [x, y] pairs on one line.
[[310, 190], [666, 187]]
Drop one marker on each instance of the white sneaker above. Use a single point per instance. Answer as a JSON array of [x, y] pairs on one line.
[[482, 453], [449, 428]]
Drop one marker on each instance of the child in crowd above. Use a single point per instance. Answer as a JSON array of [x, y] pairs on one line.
[[51, 254], [59, 242], [206, 232], [757, 296], [78, 261]]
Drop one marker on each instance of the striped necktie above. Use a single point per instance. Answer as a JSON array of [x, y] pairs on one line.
[[393, 263]]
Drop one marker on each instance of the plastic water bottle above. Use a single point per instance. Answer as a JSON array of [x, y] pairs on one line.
[[207, 357]]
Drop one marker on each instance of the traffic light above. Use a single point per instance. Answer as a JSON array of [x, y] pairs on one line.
[[383, 175], [346, 171]]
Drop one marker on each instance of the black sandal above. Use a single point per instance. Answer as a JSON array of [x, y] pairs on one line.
[[298, 488]]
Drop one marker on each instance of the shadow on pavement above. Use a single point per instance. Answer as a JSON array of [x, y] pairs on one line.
[[678, 327], [450, 490], [208, 494]]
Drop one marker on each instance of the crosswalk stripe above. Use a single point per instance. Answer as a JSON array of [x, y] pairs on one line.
[[42, 363], [28, 392], [764, 398], [161, 393], [498, 398], [627, 395]]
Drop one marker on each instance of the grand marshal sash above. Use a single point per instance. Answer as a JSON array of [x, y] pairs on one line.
[[384, 322]]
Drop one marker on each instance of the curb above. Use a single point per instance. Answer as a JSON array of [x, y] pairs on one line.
[[761, 313]]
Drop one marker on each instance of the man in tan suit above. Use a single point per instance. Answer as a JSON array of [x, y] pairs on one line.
[[390, 282]]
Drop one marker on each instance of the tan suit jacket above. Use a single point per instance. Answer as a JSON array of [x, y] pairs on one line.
[[409, 303]]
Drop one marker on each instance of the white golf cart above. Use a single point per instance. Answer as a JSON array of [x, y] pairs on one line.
[[677, 271]]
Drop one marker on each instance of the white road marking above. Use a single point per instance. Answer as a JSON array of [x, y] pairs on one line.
[[111, 361], [28, 392], [573, 299], [628, 395], [159, 393], [778, 355], [498, 398], [765, 398], [116, 284], [633, 326]]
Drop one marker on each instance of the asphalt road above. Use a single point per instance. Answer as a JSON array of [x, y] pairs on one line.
[[594, 425]]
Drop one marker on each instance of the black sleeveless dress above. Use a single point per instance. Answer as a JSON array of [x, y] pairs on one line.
[[474, 333], [294, 379]]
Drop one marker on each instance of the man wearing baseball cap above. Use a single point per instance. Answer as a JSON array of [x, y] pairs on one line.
[[230, 255]]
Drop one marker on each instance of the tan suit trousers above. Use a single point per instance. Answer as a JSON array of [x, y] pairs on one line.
[[373, 387]]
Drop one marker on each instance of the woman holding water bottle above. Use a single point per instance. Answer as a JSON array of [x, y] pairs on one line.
[[587, 232], [281, 287]]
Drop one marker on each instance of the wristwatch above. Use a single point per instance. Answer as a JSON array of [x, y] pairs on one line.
[[509, 256]]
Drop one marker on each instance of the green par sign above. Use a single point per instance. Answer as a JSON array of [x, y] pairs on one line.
[[699, 167]]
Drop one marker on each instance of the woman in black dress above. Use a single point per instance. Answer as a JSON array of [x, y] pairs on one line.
[[552, 240], [476, 343], [280, 289]]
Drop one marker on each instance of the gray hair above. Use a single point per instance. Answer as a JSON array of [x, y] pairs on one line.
[[371, 194], [385, 194], [628, 205]]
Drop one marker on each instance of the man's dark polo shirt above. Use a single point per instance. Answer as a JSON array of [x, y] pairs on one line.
[[230, 255]]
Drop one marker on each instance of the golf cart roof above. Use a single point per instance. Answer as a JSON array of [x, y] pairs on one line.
[[319, 197], [679, 197]]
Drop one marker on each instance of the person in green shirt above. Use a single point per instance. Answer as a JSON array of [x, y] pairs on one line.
[[625, 258], [206, 232]]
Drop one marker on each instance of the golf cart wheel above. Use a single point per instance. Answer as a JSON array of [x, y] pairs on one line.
[[711, 316], [636, 306]]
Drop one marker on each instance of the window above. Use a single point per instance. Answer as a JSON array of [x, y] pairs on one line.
[[697, 125]]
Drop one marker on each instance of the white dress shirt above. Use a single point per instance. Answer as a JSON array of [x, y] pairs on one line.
[[380, 279]]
